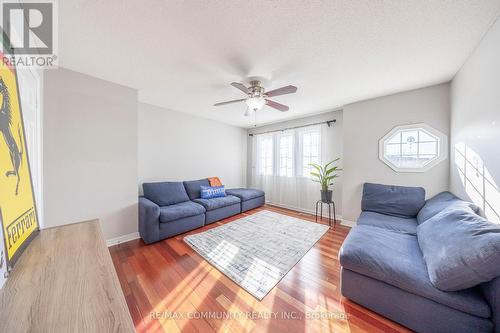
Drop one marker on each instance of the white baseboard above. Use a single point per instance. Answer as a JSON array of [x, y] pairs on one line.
[[309, 211], [348, 223], [122, 239]]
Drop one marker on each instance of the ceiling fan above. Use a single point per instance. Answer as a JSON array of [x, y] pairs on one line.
[[257, 96]]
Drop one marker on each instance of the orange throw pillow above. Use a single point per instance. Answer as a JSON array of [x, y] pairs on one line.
[[214, 181]]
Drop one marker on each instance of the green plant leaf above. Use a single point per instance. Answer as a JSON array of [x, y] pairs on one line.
[[318, 168], [324, 174], [328, 179], [335, 160], [329, 171], [315, 174]]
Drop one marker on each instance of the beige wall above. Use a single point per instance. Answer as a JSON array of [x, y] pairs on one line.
[[89, 152], [367, 121], [177, 146], [475, 122]]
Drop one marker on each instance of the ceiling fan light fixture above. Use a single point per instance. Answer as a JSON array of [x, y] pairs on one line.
[[257, 97], [255, 103]]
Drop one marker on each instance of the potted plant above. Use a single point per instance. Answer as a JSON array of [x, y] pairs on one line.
[[325, 176]]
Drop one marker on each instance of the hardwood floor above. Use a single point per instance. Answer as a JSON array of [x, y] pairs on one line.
[[170, 288]]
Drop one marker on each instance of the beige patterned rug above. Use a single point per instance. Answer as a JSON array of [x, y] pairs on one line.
[[257, 251]]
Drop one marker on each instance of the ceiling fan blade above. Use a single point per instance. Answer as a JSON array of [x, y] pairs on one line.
[[282, 91], [230, 102], [277, 106], [240, 86]]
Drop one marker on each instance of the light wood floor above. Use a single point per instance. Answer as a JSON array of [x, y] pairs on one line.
[[167, 282]]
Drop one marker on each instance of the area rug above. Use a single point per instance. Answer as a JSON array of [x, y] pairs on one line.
[[257, 251]]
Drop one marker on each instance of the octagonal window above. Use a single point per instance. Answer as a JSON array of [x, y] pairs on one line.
[[412, 148]]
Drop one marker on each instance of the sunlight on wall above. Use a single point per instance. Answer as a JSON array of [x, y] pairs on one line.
[[477, 181]]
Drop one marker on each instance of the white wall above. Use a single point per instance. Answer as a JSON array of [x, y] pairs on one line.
[[475, 120], [90, 152], [333, 150], [174, 146], [368, 121]]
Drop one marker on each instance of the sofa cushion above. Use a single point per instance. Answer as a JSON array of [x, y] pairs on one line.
[[392, 200], [245, 193], [395, 258], [388, 222], [180, 210], [461, 249], [165, 193], [193, 187], [211, 204], [438, 203], [435, 205]]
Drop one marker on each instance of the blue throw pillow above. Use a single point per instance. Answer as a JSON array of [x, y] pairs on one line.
[[209, 192], [461, 249]]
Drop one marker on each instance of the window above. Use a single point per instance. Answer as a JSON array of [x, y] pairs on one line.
[[310, 151], [266, 156], [286, 155], [412, 148]]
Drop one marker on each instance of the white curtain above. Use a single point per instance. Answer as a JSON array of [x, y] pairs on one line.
[[297, 191]]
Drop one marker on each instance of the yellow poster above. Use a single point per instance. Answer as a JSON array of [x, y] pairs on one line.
[[17, 204]]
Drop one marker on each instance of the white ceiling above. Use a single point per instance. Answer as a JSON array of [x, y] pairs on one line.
[[182, 55]]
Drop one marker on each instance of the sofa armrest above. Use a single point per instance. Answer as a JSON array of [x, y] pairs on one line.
[[149, 220]]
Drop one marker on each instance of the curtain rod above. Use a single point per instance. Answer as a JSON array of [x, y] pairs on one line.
[[328, 122]]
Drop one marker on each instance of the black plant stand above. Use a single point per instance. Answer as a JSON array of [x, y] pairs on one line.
[[332, 204]]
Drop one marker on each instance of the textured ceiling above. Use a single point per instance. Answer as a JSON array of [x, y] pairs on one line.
[[182, 55]]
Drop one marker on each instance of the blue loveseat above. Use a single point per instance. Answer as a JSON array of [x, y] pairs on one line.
[[170, 208], [433, 266]]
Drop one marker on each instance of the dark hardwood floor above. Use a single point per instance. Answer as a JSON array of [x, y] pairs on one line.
[[170, 288]]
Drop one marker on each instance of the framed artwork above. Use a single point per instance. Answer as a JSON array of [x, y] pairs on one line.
[[18, 214]]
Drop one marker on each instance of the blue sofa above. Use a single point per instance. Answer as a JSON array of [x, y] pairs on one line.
[[432, 266], [171, 208]]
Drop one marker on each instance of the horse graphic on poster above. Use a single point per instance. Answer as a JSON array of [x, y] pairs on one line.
[[16, 154]]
